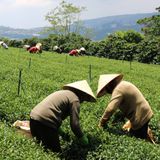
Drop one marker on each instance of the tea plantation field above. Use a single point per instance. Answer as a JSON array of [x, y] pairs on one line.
[[46, 73]]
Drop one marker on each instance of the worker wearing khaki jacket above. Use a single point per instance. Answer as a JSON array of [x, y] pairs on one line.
[[129, 100]]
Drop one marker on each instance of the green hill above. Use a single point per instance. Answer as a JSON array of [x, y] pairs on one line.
[[101, 26], [108, 25], [46, 73]]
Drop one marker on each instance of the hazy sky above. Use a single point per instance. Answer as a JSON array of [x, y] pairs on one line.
[[31, 13]]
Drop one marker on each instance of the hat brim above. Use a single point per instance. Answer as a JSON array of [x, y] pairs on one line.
[[86, 96], [103, 90]]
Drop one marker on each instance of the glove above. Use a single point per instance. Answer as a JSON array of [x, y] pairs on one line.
[[84, 140], [105, 126], [127, 126], [100, 126], [64, 135], [61, 132]]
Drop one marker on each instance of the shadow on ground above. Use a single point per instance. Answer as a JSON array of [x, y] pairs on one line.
[[76, 151]]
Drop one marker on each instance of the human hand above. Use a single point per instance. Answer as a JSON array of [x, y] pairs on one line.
[[61, 132], [65, 136], [104, 126], [84, 140], [100, 126], [127, 126]]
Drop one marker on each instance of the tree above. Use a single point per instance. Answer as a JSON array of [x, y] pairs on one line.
[[120, 45], [31, 41], [130, 36], [15, 43], [149, 50], [63, 17], [151, 25]]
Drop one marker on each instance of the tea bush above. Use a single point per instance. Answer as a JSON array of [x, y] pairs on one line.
[[46, 73]]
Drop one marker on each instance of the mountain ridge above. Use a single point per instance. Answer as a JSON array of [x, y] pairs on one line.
[[102, 26]]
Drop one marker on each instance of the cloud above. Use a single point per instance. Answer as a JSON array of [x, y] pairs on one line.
[[102, 8], [10, 6], [32, 3], [25, 13], [31, 13], [7, 5]]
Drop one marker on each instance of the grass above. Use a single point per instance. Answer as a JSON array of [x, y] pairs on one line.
[[47, 73]]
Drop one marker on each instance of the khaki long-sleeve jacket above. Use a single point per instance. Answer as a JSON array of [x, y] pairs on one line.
[[131, 102], [56, 107]]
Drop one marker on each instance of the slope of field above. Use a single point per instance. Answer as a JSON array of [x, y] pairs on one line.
[[46, 73]]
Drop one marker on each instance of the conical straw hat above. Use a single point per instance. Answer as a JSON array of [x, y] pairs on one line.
[[39, 44], [104, 80], [83, 88]]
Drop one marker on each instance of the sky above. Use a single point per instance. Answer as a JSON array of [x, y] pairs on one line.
[[31, 13]]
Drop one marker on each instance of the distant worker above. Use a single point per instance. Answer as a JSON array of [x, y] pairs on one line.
[[57, 49], [129, 100], [74, 52], [46, 118], [3, 44], [82, 51], [27, 47], [36, 49]]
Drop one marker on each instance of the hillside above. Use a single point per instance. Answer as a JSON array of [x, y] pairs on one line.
[[13, 33], [101, 27], [106, 25], [47, 73]]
